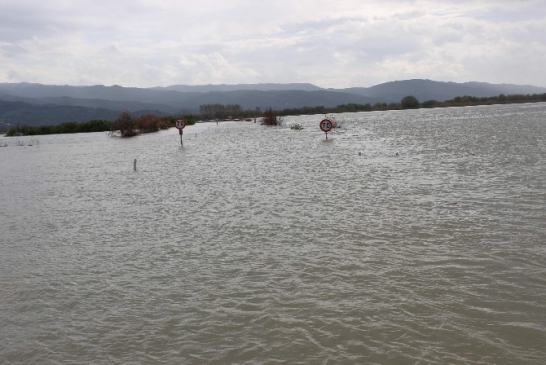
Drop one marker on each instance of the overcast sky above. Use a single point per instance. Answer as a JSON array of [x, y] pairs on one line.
[[329, 43]]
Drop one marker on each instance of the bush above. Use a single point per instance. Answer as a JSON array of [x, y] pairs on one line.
[[270, 118], [147, 123], [124, 124]]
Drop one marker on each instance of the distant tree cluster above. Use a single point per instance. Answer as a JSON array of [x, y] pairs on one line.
[[409, 102], [500, 99]]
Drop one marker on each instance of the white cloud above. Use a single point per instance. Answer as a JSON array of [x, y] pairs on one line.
[[331, 44]]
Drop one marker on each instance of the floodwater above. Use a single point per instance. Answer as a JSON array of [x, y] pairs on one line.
[[406, 237]]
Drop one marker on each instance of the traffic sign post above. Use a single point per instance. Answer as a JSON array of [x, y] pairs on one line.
[[180, 123], [326, 126]]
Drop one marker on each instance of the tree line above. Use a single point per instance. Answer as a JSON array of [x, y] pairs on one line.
[[128, 125], [411, 102], [125, 124]]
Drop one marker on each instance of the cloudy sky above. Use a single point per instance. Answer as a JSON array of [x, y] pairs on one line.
[[330, 43]]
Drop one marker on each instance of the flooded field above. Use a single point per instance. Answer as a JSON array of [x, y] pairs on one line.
[[407, 237]]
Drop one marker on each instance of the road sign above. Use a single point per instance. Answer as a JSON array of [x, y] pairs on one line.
[[326, 125], [180, 123]]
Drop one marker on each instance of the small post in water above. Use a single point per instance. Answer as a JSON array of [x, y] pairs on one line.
[[134, 164]]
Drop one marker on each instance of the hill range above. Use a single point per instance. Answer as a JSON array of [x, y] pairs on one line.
[[37, 104]]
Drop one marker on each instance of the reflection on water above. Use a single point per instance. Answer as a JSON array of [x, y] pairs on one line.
[[407, 237]]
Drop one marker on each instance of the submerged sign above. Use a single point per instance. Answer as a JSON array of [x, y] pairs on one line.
[[180, 123], [326, 126]]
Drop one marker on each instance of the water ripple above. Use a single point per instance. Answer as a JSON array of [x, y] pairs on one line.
[[408, 237]]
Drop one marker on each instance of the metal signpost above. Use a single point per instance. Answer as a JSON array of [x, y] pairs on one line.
[[326, 126], [180, 123]]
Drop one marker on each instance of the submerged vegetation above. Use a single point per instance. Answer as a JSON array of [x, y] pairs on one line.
[[127, 125], [271, 118], [296, 127]]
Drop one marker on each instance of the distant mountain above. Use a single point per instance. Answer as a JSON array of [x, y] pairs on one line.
[[239, 87], [507, 89], [112, 93], [132, 106], [425, 90], [13, 113], [28, 103], [276, 99]]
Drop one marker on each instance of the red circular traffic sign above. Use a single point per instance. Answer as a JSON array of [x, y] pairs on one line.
[[180, 123], [326, 125]]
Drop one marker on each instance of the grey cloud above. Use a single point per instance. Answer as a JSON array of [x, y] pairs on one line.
[[347, 43]]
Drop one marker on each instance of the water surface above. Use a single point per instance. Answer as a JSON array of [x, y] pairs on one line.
[[407, 237]]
